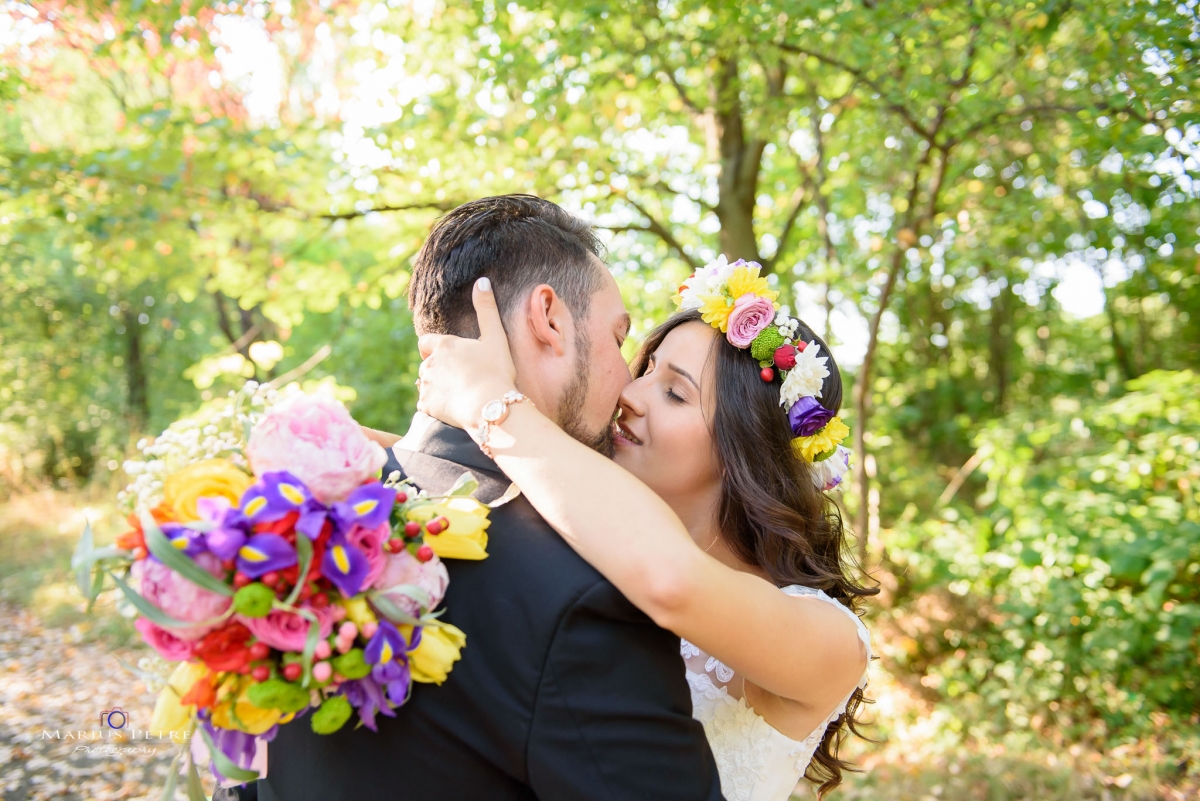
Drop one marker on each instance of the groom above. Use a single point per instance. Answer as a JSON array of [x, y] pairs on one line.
[[564, 690]]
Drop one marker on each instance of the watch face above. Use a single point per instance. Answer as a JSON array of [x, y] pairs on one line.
[[493, 410]]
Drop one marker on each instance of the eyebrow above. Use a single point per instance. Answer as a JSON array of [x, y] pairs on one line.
[[676, 368]]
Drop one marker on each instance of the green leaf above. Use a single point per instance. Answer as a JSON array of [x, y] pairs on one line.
[[225, 765], [172, 776], [305, 551], [195, 791], [464, 486], [97, 586], [390, 610], [310, 643], [173, 558]]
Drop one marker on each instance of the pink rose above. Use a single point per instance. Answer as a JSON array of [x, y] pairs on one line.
[[169, 646], [749, 316], [287, 630], [404, 568], [180, 598], [316, 440], [370, 541]]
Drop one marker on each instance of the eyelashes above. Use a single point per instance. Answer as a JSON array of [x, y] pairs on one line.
[[674, 397]]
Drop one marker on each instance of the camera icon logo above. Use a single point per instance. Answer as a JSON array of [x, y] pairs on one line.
[[114, 718]]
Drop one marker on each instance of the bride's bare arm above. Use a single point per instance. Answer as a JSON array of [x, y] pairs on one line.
[[793, 647]]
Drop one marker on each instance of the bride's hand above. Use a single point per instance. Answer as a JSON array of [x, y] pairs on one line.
[[458, 375]]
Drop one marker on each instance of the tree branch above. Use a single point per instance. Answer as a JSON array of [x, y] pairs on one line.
[[653, 226]]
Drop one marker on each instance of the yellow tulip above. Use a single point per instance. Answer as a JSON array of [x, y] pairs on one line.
[[170, 715], [358, 611], [212, 478], [466, 538], [440, 648], [236, 712]]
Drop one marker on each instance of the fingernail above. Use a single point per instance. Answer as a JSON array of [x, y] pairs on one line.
[[484, 284]]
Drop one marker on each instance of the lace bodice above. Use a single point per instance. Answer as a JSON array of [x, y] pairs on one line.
[[756, 762]]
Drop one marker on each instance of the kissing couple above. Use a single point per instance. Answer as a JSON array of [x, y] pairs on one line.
[[668, 609]]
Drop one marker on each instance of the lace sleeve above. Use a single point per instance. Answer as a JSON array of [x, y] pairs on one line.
[[863, 634]]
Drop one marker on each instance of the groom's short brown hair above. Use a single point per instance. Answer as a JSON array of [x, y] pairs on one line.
[[517, 241]]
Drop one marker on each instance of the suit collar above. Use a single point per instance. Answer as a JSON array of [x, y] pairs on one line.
[[434, 438]]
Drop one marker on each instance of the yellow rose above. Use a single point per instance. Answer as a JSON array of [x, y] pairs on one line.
[[358, 611], [439, 649], [466, 538], [212, 478], [170, 715], [237, 713]]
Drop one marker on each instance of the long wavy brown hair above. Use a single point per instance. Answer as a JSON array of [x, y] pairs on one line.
[[771, 513]]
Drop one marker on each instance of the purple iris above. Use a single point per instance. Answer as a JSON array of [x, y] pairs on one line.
[[387, 651], [344, 565], [367, 697], [274, 496], [237, 745], [807, 416], [229, 526], [263, 553], [313, 515], [190, 541], [368, 506]]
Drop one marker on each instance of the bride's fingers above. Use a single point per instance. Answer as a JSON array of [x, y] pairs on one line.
[[427, 343], [491, 328]]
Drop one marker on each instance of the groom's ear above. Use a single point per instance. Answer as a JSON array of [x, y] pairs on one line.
[[549, 319]]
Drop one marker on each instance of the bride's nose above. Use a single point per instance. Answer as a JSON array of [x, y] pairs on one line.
[[632, 402]]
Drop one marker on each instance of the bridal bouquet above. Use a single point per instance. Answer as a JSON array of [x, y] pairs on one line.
[[269, 564]]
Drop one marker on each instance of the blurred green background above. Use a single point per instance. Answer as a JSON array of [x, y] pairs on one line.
[[988, 208]]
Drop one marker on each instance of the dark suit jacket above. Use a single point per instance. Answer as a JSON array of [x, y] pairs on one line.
[[564, 690]]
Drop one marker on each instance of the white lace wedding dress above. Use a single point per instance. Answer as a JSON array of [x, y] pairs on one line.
[[756, 762]]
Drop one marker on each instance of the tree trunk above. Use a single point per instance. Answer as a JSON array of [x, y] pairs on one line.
[[138, 401], [740, 160]]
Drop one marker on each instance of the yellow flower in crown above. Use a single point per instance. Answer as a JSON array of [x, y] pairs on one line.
[[824, 441], [435, 655], [465, 533], [212, 478], [744, 280]]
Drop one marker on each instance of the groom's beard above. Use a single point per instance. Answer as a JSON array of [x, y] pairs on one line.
[[572, 401]]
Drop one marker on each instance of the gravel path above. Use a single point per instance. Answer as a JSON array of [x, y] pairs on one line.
[[50, 681]]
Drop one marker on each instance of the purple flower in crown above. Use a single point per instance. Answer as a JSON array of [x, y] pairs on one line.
[[368, 506], [344, 565], [367, 697], [275, 495], [230, 527], [263, 553], [386, 652], [807, 416]]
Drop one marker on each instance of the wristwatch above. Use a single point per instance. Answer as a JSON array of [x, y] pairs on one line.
[[493, 413]]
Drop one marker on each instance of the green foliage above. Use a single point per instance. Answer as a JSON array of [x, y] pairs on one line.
[[1074, 592]]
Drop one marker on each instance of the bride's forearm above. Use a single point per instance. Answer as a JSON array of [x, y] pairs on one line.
[[613, 520]]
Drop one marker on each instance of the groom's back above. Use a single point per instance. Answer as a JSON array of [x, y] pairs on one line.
[[564, 689]]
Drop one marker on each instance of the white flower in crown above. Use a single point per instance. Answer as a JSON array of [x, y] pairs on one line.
[[828, 473], [806, 378], [706, 281], [787, 326]]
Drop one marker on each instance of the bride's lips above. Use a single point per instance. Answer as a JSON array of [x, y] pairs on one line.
[[623, 436]]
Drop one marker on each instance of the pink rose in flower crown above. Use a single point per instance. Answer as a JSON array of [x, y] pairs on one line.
[[180, 598], [287, 630], [404, 568], [169, 646], [315, 439], [749, 316], [370, 541]]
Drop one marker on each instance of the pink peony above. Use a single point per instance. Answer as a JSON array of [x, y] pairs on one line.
[[404, 568], [287, 630], [180, 598], [749, 316], [370, 541], [169, 646], [316, 440]]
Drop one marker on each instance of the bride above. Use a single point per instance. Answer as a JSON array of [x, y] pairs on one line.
[[712, 516]]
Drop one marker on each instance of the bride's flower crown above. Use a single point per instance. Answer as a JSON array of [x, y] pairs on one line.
[[738, 301]]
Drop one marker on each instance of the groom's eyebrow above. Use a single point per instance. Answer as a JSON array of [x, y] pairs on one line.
[[684, 373]]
